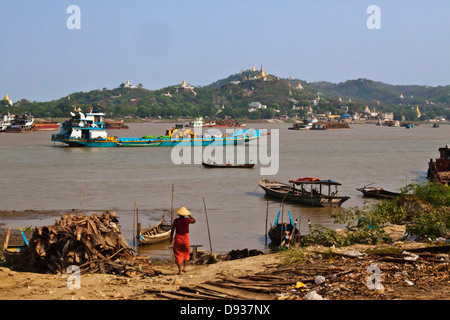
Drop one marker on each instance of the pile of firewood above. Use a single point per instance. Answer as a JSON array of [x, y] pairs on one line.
[[93, 243]]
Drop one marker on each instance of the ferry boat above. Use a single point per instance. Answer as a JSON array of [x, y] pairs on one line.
[[89, 130], [23, 123], [6, 121]]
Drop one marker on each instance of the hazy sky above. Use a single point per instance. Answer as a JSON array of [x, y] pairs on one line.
[[160, 43]]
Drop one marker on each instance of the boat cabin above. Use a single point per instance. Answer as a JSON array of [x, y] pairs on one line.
[[314, 186], [84, 126]]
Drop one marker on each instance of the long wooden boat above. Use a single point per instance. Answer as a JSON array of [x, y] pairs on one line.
[[378, 193], [158, 233], [309, 192], [228, 165], [279, 229]]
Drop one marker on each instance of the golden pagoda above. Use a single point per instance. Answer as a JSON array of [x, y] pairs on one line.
[[7, 99], [183, 84], [253, 69], [262, 74], [418, 112]]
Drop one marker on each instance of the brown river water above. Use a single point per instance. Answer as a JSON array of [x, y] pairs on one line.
[[37, 174]]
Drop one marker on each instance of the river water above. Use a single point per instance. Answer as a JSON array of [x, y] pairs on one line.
[[37, 174]]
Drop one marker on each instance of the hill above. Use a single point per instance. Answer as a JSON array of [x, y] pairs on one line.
[[251, 94]]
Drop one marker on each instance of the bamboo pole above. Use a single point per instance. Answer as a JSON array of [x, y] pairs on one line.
[[5, 245], [134, 225], [171, 208], [207, 224], [267, 214], [282, 225]]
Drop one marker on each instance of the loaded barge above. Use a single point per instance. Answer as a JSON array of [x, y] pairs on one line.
[[89, 130]]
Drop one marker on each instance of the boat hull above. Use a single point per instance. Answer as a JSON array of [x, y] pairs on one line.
[[275, 233], [129, 142], [43, 126], [235, 166], [285, 194], [12, 253], [378, 193]]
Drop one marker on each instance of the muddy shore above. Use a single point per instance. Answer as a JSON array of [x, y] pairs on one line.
[[422, 280]]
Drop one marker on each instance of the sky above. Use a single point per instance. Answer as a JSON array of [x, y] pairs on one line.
[[160, 43]]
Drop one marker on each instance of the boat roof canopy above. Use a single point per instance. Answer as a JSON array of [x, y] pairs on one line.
[[315, 181]]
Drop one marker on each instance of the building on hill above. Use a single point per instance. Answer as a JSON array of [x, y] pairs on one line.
[[187, 88], [128, 85]]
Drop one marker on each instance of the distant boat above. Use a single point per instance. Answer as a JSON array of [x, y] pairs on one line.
[[155, 234], [278, 231], [379, 193], [6, 121], [115, 124], [46, 126], [309, 193], [410, 126], [23, 123], [228, 165]]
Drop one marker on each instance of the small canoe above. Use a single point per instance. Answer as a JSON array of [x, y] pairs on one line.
[[242, 166], [378, 193], [11, 253], [155, 234]]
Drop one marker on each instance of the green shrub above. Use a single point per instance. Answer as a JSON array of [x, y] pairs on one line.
[[433, 224]]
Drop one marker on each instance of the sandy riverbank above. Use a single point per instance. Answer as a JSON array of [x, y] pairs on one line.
[[32, 286]]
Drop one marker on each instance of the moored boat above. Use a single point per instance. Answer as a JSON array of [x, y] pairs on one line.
[[309, 192], [377, 192], [155, 234], [12, 252], [281, 232]]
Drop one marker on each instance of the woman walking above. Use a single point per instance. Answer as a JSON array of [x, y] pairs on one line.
[[181, 245]]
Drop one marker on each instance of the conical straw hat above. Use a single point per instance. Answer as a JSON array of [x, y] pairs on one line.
[[182, 211]]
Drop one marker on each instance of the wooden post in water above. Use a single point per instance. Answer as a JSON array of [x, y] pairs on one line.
[[137, 225], [267, 214], [134, 225], [81, 197], [8, 233], [282, 225], [171, 208], [207, 224]]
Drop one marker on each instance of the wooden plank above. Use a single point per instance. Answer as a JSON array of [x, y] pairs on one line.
[[243, 291], [228, 293], [252, 288]]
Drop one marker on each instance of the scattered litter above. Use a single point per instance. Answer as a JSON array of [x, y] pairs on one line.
[[313, 295], [319, 280]]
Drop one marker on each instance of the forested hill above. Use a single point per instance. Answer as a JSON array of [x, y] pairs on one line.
[[233, 95]]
